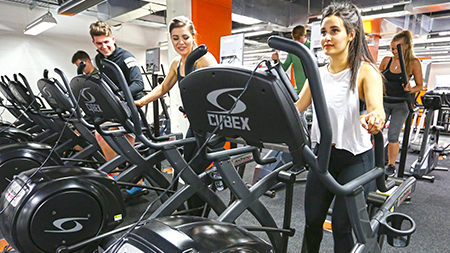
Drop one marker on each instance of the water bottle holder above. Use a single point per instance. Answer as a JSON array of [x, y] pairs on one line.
[[398, 228]]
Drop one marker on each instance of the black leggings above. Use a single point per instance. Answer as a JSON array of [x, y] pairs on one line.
[[343, 166]]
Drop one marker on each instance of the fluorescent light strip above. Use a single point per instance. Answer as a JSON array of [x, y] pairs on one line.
[[41, 24], [259, 51], [386, 15], [257, 33], [432, 52], [444, 33], [37, 29], [244, 19]]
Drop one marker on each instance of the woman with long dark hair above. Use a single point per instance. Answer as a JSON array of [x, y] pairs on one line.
[[351, 76]]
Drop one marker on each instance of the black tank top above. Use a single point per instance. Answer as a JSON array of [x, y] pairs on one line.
[[393, 83], [179, 77]]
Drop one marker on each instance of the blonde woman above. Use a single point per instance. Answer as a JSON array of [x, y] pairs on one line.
[[398, 111]]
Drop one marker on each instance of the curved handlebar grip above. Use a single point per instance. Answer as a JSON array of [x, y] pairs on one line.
[[126, 92], [331, 183], [260, 160], [46, 73], [402, 64], [27, 85], [215, 140], [404, 74], [65, 81], [81, 67], [193, 57], [382, 184], [312, 72], [379, 149], [68, 89]]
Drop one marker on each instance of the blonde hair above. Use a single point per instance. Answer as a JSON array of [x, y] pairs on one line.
[[409, 52], [100, 28]]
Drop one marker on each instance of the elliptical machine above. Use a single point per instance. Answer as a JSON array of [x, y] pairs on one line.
[[164, 234], [429, 149], [269, 95]]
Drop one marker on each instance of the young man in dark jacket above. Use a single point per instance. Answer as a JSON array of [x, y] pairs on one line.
[[105, 42]]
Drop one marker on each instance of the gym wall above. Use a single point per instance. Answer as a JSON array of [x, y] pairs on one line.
[[30, 55]]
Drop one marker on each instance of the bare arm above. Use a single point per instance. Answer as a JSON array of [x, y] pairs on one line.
[[304, 98], [418, 78], [370, 86], [206, 60], [162, 89], [384, 63]]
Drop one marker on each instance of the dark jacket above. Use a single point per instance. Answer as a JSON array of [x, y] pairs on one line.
[[129, 66]]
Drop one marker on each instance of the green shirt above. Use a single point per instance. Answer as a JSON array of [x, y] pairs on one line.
[[95, 73], [299, 74]]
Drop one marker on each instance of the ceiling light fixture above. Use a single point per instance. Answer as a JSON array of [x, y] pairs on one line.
[[41, 24], [446, 33], [257, 33], [432, 52], [387, 11], [244, 19], [258, 51]]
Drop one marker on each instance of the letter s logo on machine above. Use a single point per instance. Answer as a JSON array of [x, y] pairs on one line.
[[59, 223], [49, 96], [90, 100], [226, 117]]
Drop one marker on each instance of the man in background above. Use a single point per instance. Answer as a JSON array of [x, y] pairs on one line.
[[82, 56], [298, 34]]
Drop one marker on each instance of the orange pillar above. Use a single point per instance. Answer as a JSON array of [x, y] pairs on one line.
[[373, 27], [212, 20]]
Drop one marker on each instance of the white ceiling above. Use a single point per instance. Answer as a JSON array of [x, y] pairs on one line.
[[14, 17]]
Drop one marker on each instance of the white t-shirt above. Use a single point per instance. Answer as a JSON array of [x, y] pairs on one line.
[[344, 112]]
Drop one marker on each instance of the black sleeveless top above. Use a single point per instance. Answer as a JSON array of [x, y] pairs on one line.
[[393, 83], [179, 77]]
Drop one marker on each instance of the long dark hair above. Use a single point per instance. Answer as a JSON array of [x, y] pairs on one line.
[[357, 49]]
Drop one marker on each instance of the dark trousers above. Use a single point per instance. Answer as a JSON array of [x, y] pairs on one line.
[[344, 167]]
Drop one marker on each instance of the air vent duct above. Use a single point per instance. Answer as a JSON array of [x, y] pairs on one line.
[[72, 7]]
